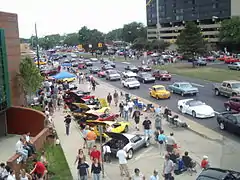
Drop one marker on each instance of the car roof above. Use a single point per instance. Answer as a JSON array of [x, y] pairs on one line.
[[231, 81], [157, 86], [214, 173]]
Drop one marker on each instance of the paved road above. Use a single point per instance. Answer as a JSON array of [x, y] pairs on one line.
[[206, 95]]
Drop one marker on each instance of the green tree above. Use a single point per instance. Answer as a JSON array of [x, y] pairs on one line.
[[115, 35], [133, 31], [29, 76], [140, 43], [71, 39], [159, 45], [190, 41]]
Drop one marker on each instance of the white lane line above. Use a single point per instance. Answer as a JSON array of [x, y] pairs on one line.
[[126, 62], [143, 153], [199, 85]]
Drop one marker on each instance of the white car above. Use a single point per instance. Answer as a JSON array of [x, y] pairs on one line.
[[94, 59], [130, 83], [195, 108], [129, 74]]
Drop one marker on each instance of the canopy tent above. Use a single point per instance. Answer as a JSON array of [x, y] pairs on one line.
[[63, 75]]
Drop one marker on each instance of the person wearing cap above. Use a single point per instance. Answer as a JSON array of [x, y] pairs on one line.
[[67, 123], [205, 162], [154, 176], [137, 175]]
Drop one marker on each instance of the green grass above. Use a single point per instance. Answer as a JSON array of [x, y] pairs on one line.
[[204, 73]]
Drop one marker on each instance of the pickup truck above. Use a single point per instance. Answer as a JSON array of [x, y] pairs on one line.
[[227, 88]]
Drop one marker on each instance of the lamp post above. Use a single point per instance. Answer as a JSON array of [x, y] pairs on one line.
[[38, 58], [158, 20]]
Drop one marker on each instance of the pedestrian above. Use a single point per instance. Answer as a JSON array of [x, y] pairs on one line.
[[106, 153], [93, 85], [91, 138], [80, 156], [155, 175], [83, 170], [147, 127], [84, 133], [96, 169], [122, 158], [136, 117], [121, 109], [168, 168], [125, 111], [137, 175], [89, 86], [95, 154], [109, 99], [130, 107], [158, 122], [171, 142], [158, 110], [162, 142], [205, 162], [67, 123], [11, 175], [115, 97]]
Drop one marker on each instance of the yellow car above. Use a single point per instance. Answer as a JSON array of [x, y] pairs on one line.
[[109, 126], [69, 79], [159, 92], [41, 62]]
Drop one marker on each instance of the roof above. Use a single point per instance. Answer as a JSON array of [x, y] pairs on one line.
[[157, 86], [231, 81]]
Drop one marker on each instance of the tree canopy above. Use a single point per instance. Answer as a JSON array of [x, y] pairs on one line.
[[143, 43], [190, 41]]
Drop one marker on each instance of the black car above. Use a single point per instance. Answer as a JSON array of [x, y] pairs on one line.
[[229, 121], [94, 70], [145, 77], [132, 68], [218, 174]]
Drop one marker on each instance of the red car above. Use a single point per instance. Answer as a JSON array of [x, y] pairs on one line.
[[101, 74], [49, 71], [82, 66], [233, 103], [93, 116], [149, 53], [144, 68], [162, 75], [76, 96], [231, 60]]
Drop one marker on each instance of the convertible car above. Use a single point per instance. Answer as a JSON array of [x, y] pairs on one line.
[[129, 142], [183, 88], [159, 92], [76, 96], [195, 108]]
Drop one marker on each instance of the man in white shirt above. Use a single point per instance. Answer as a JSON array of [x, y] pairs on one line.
[[137, 175], [125, 112], [20, 150], [122, 157], [3, 171], [130, 107], [30, 143], [106, 153]]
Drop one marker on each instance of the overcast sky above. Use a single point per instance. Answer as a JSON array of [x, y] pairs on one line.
[[66, 16]]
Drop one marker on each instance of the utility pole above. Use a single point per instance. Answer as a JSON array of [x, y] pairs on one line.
[[158, 20], [38, 58]]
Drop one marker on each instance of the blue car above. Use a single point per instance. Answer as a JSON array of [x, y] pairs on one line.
[[183, 88]]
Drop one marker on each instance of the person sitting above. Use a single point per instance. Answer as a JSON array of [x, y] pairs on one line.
[[39, 170], [20, 150], [188, 163], [4, 171], [30, 143]]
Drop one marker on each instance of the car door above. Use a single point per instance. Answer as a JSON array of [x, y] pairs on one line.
[[234, 65], [136, 142], [232, 123], [188, 108], [223, 88], [176, 88], [228, 91], [153, 92]]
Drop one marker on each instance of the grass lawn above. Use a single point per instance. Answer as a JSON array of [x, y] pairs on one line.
[[205, 73]]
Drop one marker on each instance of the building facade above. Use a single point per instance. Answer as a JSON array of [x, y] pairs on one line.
[[167, 18], [10, 93]]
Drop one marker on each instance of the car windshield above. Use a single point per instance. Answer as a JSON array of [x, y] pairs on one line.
[[146, 75], [205, 178], [131, 79], [185, 85], [195, 103], [235, 85], [160, 88]]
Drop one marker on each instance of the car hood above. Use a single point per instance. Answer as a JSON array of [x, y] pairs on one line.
[[203, 109], [114, 74], [162, 92], [149, 77], [118, 136], [190, 89], [237, 89]]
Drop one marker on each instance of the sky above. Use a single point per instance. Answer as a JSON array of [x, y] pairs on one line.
[[67, 16]]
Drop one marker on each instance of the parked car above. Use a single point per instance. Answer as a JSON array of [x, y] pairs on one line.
[[218, 174], [49, 71], [101, 74], [183, 88], [88, 63], [234, 66], [82, 65], [129, 142], [144, 68], [110, 63], [112, 75], [201, 62], [94, 70], [227, 88], [145, 77], [162, 75], [233, 103], [231, 60], [131, 68], [229, 121], [195, 108], [210, 58], [75, 64], [130, 83], [94, 59], [159, 92], [107, 67], [129, 74]]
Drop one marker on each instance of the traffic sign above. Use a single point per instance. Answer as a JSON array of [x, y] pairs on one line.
[[99, 45]]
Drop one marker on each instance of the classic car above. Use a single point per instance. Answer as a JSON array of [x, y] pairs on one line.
[[229, 121], [49, 71], [145, 77], [183, 88], [76, 96], [162, 75], [210, 58], [67, 80], [88, 62], [159, 92], [41, 62], [131, 68], [112, 75], [81, 65], [218, 174], [234, 66], [128, 74], [107, 67], [195, 108], [231, 60], [101, 74], [145, 68], [109, 126], [129, 142], [94, 70], [103, 60], [130, 83], [233, 103], [108, 62], [92, 115]]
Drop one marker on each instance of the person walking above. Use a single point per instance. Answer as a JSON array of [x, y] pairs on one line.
[[136, 117], [96, 169], [155, 175], [80, 157], [121, 109], [91, 138], [162, 142], [93, 85], [125, 111], [158, 122], [115, 98], [168, 168], [130, 107], [67, 123], [147, 127], [109, 99], [106, 153], [171, 142], [122, 158], [137, 175], [83, 170]]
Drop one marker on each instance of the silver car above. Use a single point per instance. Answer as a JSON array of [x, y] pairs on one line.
[[129, 142], [234, 66], [112, 75]]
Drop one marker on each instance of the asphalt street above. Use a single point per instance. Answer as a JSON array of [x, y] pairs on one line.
[[205, 94]]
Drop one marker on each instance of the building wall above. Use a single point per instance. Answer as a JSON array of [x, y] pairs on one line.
[[3, 130], [235, 7], [9, 22]]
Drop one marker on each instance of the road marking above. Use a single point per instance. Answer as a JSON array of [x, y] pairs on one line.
[[126, 62], [199, 85], [217, 112], [143, 153]]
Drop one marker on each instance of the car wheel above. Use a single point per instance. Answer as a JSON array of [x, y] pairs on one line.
[[125, 129], [194, 114], [130, 154], [216, 92], [221, 126], [182, 94]]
